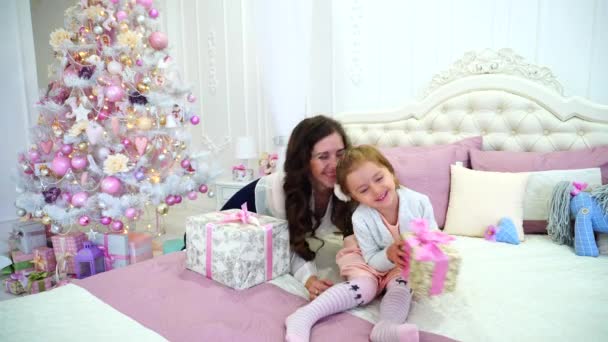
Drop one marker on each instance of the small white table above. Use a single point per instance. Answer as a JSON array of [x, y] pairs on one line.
[[224, 189]]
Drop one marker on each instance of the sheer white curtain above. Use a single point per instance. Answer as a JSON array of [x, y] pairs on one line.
[[282, 31]]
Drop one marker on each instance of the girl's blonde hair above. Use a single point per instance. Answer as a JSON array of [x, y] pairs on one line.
[[354, 157]]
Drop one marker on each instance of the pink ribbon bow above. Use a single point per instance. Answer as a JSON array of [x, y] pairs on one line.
[[424, 242], [239, 167], [242, 215], [577, 187]]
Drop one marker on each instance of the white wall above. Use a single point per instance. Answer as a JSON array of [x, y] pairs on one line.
[[18, 70]]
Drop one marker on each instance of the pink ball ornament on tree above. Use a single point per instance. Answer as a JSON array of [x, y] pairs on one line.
[[117, 225], [105, 220], [79, 162], [131, 213], [170, 200], [185, 163], [195, 120], [191, 98], [121, 15], [66, 196], [84, 220], [153, 13], [111, 185], [34, 156], [203, 188], [114, 93], [158, 40], [192, 195], [79, 199], [66, 149], [60, 165], [103, 115], [178, 199]]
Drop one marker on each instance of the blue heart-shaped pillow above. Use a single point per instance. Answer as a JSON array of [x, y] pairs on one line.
[[506, 231]]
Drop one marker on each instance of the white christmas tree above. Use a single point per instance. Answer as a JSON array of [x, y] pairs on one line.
[[110, 137]]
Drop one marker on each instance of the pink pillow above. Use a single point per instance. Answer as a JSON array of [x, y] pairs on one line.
[[506, 161], [426, 169]]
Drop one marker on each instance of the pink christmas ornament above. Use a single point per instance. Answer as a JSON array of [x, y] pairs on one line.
[[60, 165], [79, 199], [203, 188], [28, 171], [111, 185], [185, 163], [126, 142], [170, 200], [192, 195], [121, 15], [140, 145], [66, 149], [178, 199], [34, 156], [114, 93], [153, 13], [79, 162], [158, 40], [195, 120], [103, 115], [66, 196], [105, 220], [191, 98], [145, 3], [46, 146], [117, 225], [84, 220], [131, 213]]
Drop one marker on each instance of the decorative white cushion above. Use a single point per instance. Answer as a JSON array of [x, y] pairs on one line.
[[541, 184], [481, 198]]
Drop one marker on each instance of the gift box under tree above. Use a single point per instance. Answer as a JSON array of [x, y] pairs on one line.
[[22, 262], [44, 259], [66, 246], [433, 263], [39, 282], [140, 247], [115, 248], [28, 235], [237, 248]]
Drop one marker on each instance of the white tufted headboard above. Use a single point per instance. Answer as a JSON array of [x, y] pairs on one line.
[[514, 105]]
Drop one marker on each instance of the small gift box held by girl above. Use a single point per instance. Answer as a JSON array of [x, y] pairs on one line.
[[372, 258]]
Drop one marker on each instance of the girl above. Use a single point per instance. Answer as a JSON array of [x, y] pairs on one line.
[[384, 212]]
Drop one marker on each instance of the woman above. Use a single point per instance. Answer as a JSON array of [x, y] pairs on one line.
[[303, 195]]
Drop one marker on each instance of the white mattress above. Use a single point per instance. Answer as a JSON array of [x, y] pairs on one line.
[[49, 316], [534, 291]]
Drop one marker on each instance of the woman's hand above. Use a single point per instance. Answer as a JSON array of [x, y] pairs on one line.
[[316, 286], [397, 255]]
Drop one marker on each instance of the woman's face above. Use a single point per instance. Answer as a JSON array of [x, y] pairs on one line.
[[323, 160]]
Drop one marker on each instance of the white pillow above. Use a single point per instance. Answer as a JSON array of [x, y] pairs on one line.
[[541, 184], [481, 198]]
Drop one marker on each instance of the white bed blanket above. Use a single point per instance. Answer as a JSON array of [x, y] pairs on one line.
[[534, 291], [56, 311]]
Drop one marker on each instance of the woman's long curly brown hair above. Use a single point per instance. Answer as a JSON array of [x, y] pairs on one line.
[[298, 188]]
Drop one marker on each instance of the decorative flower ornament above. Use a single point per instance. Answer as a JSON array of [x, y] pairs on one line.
[[490, 233], [115, 163], [340, 194]]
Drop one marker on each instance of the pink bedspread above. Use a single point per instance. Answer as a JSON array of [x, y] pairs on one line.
[[184, 306]]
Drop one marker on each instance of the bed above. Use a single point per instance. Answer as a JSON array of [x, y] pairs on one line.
[[537, 290]]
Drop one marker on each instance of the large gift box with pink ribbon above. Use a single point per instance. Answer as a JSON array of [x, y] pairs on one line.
[[115, 248], [237, 248], [65, 247], [433, 263]]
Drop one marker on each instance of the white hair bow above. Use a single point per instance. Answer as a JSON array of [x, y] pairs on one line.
[[340, 194]]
